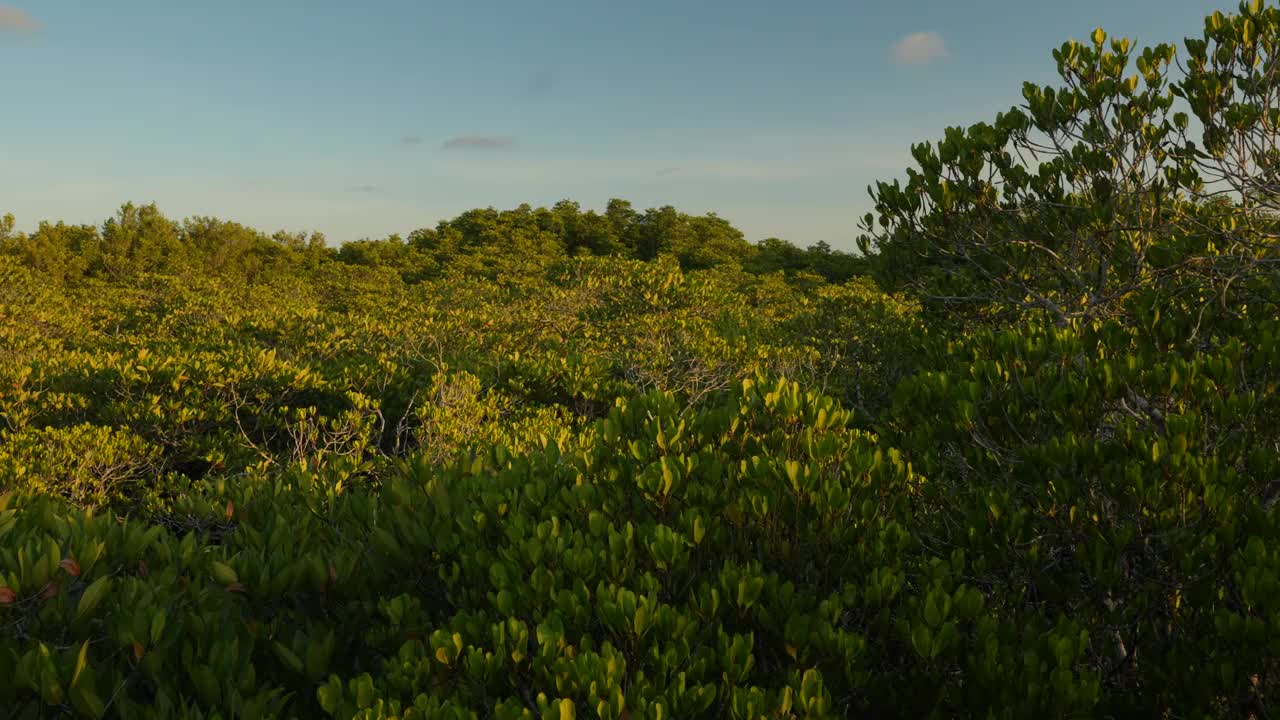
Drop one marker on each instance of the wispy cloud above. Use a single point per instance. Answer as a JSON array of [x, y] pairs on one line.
[[17, 21], [919, 48], [412, 140], [479, 142], [738, 159]]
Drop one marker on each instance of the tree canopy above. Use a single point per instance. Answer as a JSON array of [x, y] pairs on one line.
[[140, 240]]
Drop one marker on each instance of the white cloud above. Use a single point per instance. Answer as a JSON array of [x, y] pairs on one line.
[[919, 48]]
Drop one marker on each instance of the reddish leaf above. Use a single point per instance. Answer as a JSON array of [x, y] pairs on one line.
[[49, 591], [7, 596], [71, 566], [235, 587], [231, 510], [138, 650]]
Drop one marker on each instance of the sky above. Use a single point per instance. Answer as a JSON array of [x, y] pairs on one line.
[[362, 119]]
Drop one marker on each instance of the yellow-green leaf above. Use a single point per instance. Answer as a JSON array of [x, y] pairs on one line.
[[92, 596], [82, 660], [224, 574]]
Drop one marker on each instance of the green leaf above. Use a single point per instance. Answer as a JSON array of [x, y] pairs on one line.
[[932, 615], [793, 473], [287, 656], [922, 641], [157, 627], [50, 687], [92, 596], [87, 702], [330, 695], [206, 683], [82, 660], [810, 685], [319, 652], [223, 573]]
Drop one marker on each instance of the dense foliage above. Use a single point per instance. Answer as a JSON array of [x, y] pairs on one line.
[[1020, 460]]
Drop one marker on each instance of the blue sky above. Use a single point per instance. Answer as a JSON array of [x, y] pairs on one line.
[[361, 119]]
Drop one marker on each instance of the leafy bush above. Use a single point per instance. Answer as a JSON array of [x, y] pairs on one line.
[[551, 463], [87, 464]]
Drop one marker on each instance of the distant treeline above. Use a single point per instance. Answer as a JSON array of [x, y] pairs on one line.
[[140, 239]]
